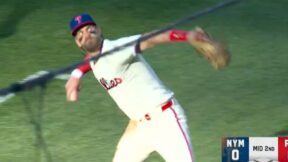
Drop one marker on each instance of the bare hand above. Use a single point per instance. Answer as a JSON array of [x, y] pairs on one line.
[[72, 88]]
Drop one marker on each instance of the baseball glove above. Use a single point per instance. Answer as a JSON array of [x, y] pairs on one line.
[[215, 52]]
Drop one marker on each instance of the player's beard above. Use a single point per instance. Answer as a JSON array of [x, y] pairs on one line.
[[93, 43]]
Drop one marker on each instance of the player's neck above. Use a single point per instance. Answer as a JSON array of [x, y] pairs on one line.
[[95, 53]]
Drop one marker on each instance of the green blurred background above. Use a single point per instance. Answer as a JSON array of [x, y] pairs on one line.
[[247, 99]]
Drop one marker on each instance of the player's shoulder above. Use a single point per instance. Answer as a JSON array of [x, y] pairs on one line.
[[109, 44], [127, 39], [122, 40]]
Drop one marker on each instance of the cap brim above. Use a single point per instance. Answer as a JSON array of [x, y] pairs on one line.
[[75, 30]]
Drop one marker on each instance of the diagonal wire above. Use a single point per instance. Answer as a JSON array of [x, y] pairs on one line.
[[17, 87]]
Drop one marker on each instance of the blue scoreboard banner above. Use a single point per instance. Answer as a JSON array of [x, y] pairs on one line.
[[255, 149]]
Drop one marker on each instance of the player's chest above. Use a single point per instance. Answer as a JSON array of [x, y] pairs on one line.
[[107, 74]]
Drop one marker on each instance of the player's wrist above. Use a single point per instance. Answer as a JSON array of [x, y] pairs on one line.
[[178, 35], [77, 73]]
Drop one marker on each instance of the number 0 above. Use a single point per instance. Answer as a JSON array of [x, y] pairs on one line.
[[235, 154]]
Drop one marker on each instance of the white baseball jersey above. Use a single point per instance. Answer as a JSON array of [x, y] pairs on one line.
[[129, 80]]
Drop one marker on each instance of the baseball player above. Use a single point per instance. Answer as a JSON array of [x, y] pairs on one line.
[[157, 121]]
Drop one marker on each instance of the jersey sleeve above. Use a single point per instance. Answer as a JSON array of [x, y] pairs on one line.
[[133, 49], [124, 55], [82, 69]]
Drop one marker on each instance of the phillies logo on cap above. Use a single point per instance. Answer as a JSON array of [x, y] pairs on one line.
[[78, 19]]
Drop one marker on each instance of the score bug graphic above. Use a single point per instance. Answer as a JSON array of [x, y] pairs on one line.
[[235, 149], [258, 149], [283, 149]]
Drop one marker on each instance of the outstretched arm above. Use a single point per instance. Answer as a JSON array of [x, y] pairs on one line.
[[214, 51], [169, 36]]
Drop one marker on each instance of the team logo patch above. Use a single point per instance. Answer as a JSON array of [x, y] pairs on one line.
[[110, 84], [78, 19]]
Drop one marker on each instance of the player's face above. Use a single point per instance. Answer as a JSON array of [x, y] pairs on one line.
[[89, 38]]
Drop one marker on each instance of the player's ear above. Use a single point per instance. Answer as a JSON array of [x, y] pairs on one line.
[[78, 43]]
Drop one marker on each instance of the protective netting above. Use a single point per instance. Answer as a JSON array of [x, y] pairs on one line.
[[38, 84]]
